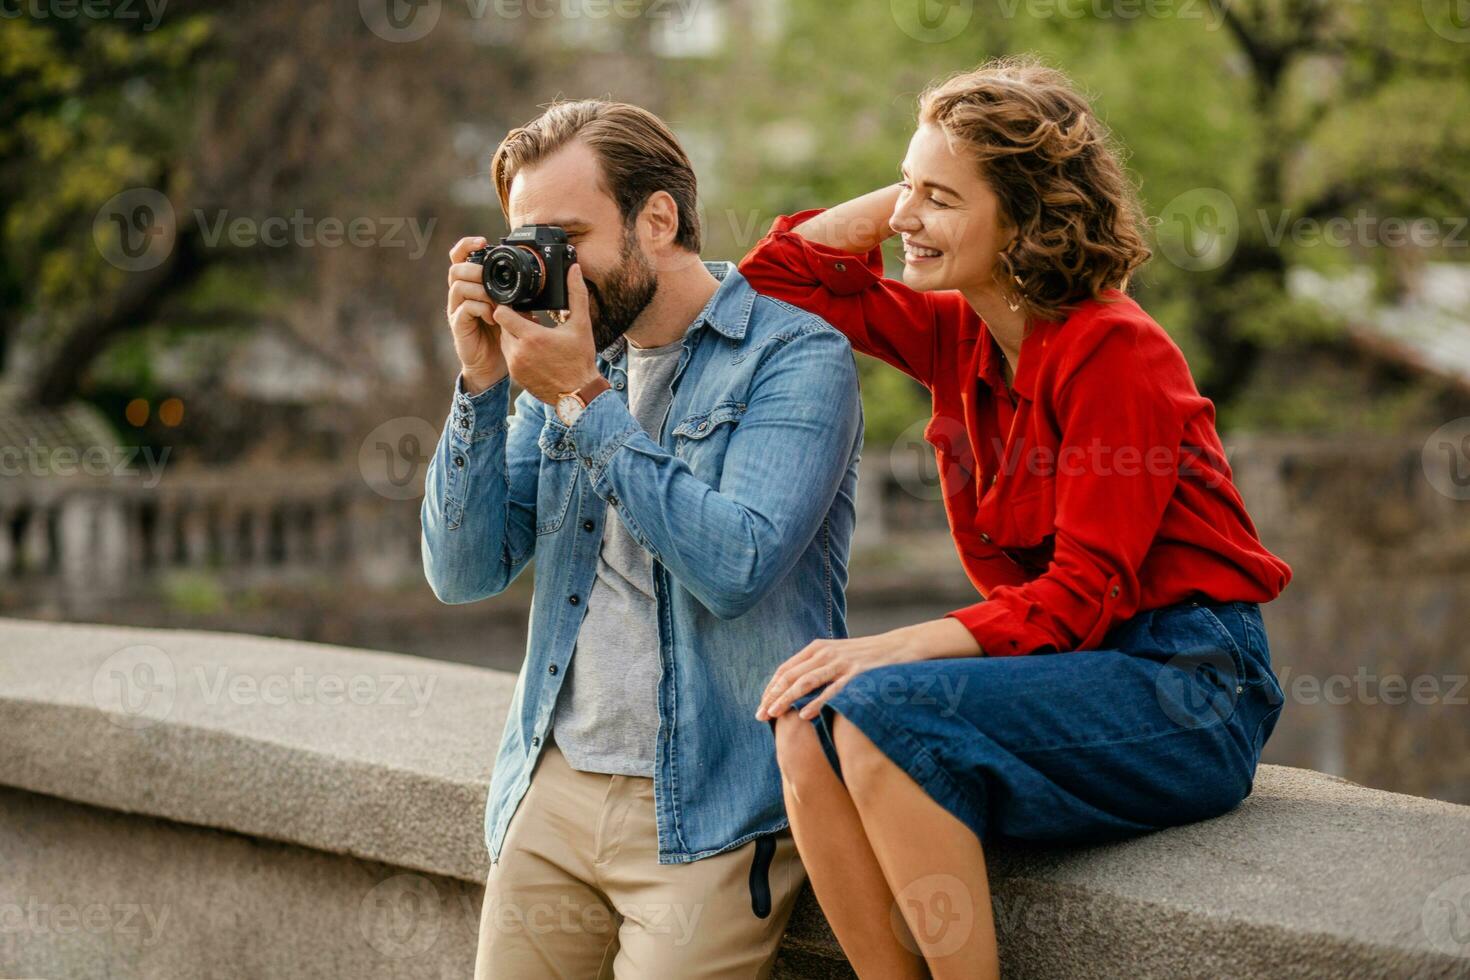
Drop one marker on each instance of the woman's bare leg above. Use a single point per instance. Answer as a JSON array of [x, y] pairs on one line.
[[933, 863], [843, 870]]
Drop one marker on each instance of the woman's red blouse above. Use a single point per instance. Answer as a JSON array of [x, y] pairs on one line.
[[1094, 489]]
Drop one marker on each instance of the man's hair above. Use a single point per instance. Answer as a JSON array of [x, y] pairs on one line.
[[1057, 173], [638, 153]]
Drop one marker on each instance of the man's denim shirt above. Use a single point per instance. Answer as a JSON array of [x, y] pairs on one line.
[[746, 503]]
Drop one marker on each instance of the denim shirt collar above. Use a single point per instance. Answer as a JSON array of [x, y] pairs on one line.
[[727, 312]]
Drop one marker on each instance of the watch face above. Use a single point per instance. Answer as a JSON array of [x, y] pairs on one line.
[[568, 407]]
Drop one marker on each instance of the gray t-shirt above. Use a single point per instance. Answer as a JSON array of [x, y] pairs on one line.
[[607, 712]]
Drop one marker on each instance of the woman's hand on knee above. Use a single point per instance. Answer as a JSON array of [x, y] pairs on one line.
[[833, 663]]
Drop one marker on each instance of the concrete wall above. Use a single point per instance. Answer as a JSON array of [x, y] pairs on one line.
[[185, 804]]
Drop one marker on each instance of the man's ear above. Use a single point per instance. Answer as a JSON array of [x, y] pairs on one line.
[[660, 216]]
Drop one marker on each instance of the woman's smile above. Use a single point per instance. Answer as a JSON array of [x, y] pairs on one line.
[[916, 253]]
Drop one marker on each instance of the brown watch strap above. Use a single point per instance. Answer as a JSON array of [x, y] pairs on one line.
[[592, 389]]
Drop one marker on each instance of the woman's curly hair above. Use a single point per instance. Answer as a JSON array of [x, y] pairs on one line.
[[1058, 175]]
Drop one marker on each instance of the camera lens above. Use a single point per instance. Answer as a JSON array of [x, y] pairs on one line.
[[512, 274]]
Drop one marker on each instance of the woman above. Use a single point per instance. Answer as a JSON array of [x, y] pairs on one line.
[[1092, 506]]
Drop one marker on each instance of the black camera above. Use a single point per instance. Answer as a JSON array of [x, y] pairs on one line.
[[527, 271]]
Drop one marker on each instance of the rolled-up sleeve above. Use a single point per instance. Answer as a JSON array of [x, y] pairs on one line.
[[1116, 470], [881, 317]]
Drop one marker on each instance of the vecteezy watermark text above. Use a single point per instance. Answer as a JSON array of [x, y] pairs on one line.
[[34, 459], [125, 10], [304, 231], [402, 21]]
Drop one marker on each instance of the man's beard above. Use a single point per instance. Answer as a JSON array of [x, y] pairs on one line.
[[623, 293]]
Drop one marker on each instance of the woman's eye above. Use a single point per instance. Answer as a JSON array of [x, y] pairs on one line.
[[905, 185], [938, 203]]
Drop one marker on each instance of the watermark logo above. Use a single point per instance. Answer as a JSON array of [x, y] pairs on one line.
[[118, 462], [400, 21], [1198, 689], [932, 21], [121, 10], [1446, 459], [401, 916], [1446, 917], [1212, 15], [929, 456], [1450, 19], [933, 915], [1370, 688], [139, 685], [301, 230], [136, 686], [130, 919], [135, 230], [1199, 230], [394, 457]]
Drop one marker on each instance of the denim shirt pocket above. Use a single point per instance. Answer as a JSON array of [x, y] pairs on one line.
[[558, 477], [701, 439]]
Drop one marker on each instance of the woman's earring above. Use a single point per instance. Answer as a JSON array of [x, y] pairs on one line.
[[1016, 304]]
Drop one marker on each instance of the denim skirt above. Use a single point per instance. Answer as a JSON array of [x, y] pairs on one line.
[[1162, 726]]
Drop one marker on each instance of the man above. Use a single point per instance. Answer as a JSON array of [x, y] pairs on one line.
[[682, 466]]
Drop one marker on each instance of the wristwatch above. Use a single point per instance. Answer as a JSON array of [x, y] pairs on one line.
[[571, 404]]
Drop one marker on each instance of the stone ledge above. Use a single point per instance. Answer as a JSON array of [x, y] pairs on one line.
[[1311, 876]]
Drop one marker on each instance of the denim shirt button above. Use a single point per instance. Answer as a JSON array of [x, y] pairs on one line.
[[535, 740], [619, 386], [459, 461], [589, 525], [574, 599], [551, 670]]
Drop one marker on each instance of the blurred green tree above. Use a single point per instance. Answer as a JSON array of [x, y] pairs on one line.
[[1245, 122]]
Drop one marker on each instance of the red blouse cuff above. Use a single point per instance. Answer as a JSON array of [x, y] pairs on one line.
[[842, 273], [1002, 629]]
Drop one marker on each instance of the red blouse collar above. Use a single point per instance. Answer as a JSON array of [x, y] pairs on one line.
[[991, 370]]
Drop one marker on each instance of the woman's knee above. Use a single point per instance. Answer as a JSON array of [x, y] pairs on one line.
[[863, 764], [799, 752]]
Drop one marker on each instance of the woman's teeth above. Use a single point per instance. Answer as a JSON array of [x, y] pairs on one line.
[[918, 252]]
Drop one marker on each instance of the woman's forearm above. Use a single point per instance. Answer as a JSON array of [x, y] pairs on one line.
[[853, 226], [937, 639]]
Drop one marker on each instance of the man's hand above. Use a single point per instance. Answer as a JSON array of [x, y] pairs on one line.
[[548, 361], [471, 320]]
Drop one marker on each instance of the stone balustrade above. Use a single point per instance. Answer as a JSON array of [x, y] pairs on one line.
[[191, 804]]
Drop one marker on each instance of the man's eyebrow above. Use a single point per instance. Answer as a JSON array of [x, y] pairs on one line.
[[567, 223]]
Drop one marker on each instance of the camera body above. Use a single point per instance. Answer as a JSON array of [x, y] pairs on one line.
[[527, 271]]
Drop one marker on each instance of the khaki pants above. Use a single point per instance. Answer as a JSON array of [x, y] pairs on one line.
[[578, 891]]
